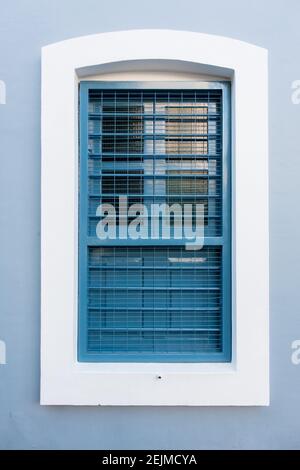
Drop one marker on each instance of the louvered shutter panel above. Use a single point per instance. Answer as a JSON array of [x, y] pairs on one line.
[[153, 300]]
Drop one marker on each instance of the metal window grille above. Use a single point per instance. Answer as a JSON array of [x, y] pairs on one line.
[[153, 300]]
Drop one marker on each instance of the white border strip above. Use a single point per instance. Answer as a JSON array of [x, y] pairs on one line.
[[64, 381]]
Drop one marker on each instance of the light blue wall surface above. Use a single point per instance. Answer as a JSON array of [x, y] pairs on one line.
[[26, 26]]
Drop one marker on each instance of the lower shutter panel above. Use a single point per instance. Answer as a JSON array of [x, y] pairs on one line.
[[154, 300]]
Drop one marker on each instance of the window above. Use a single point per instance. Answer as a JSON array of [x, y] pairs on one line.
[[152, 299], [153, 153]]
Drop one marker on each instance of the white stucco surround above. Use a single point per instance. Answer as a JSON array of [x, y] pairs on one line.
[[64, 381]]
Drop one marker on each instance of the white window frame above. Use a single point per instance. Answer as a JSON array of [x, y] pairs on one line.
[[65, 381]]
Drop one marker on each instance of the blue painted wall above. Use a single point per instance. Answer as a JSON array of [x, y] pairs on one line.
[[26, 26]]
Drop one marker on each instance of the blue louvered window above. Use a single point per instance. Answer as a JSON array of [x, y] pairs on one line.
[[147, 299]]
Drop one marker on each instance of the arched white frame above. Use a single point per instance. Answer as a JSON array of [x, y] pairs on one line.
[[64, 381]]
